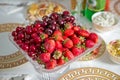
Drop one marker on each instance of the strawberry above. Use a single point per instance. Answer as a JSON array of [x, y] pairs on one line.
[[93, 37], [76, 28], [64, 37], [49, 46], [82, 39], [89, 43], [51, 64], [83, 33], [58, 35], [58, 45], [77, 50], [60, 61], [68, 26], [68, 54], [44, 57], [57, 54], [68, 32], [57, 32], [68, 43], [43, 36], [76, 40], [74, 35]]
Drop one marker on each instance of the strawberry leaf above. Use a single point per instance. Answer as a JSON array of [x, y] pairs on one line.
[[66, 59], [42, 36], [39, 61], [62, 30]]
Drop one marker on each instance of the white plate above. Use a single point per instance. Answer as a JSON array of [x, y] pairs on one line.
[[89, 73], [9, 54]]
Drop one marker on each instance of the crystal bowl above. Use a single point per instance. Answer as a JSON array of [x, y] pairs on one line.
[[40, 68]]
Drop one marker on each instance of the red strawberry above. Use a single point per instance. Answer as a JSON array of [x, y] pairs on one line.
[[51, 64], [49, 46], [64, 37], [43, 36], [58, 45], [74, 35], [44, 57], [68, 32], [68, 26], [89, 43], [57, 54], [77, 51], [58, 35], [60, 61], [76, 28], [83, 33], [76, 40], [68, 54], [57, 32], [93, 37], [68, 43]]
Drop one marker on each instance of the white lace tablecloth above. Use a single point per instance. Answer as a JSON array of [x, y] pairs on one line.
[[30, 73]]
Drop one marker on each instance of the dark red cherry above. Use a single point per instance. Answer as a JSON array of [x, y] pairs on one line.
[[14, 33], [19, 42], [34, 35], [37, 40], [34, 29], [65, 13], [18, 29], [21, 36], [48, 31], [32, 48], [25, 47]]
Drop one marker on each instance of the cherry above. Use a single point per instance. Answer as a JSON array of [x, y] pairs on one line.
[[67, 18], [15, 38], [32, 48], [54, 16], [48, 31], [52, 27], [37, 40], [28, 26], [27, 37], [32, 55], [34, 35], [52, 22], [19, 42], [31, 41], [38, 45], [61, 22], [27, 42], [37, 25], [18, 29], [65, 13], [34, 29], [44, 24], [45, 18], [72, 19], [20, 36], [25, 47], [14, 33], [28, 30]]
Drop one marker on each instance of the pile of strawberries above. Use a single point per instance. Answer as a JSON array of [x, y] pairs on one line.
[[55, 40]]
